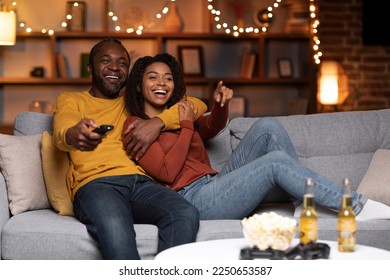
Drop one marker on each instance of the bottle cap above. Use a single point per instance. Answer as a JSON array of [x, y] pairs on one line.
[[347, 181]]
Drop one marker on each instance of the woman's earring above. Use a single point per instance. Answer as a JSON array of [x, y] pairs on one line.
[[138, 89]]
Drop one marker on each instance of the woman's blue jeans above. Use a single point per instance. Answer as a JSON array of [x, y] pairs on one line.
[[264, 159], [110, 206]]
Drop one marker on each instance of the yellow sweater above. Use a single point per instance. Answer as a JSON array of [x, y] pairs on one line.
[[109, 158]]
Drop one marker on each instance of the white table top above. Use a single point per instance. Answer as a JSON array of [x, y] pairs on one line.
[[229, 249]]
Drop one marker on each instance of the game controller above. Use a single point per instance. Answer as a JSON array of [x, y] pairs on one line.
[[302, 251]]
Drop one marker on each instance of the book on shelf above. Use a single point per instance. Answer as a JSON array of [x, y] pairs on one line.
[[84, 60], [248, 60], [62, 67]]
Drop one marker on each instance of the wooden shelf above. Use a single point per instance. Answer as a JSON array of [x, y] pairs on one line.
[[154, 35], [191, 81], [262, 81], [7, 128], [222, 56], [43, 81]]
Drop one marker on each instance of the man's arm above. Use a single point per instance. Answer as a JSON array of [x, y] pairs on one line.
[[170, 117], [145, 132], [80, 136], [70, 130], [139, 135], [164, 163]]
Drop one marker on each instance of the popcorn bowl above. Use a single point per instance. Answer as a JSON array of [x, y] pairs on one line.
[[269, 230]]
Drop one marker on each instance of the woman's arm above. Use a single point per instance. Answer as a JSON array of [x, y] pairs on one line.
[[137, 144], [209, 126]]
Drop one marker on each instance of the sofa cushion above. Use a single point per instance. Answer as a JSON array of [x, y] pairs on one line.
[[20, 163], [341, 144], [351, 132], [30, 123], [55, 165], [376, 182], [345, 152], [339, 133], [43, 234], [219, 149], [337, 167]]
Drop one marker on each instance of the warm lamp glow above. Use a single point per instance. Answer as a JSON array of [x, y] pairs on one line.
[[332, 84], [7, 28]]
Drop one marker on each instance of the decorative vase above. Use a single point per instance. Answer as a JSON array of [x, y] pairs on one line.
[[239, 8], [173, 21]]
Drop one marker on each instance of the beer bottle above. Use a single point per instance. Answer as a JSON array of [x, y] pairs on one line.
[[308, 225], [346, 225]]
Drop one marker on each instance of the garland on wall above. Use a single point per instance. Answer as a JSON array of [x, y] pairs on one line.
[[24, 26], [314, 25], [235, 30], [114, 18], [216, 14], [144, 24]]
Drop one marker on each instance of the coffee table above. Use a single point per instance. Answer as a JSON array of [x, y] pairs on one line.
[[229, 249]]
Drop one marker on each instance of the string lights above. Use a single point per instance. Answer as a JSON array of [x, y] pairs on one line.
[[43, 30], [138, 28], [135, 29], [236, 30], [314, 24]]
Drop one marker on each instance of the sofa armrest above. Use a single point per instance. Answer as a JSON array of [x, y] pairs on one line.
[[4, 210]]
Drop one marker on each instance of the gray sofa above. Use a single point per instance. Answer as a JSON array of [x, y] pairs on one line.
[[335, 144]]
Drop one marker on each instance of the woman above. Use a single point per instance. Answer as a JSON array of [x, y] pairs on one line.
[[264, 159]]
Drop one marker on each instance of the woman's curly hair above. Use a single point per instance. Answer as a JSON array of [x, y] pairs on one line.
[[134, 98]]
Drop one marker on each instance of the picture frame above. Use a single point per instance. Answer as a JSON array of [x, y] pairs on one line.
[[285, 67], [77, 11], [191, 59]]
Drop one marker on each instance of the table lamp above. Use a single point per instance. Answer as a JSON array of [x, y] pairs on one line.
[[7, 28], [332, 84]]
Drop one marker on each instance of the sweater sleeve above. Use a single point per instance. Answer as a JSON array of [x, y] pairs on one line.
[[170, 117], [66, 114], [165, 166], [210, 125]]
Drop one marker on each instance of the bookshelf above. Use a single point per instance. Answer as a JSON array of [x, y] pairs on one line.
[[263, 90]]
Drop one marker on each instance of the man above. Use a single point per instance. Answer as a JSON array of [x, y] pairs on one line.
[[110, 192]]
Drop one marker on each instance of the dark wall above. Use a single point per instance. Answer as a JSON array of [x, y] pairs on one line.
[[367, 66]]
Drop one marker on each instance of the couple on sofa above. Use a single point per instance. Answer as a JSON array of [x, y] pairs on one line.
[[112, 192]]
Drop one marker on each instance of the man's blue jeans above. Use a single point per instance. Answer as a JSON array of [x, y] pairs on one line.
[[110, 207], [264, 159]]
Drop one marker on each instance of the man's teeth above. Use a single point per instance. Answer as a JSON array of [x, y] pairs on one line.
[[112, 77]]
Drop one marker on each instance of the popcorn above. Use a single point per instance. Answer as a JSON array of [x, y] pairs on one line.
[[269, 230]]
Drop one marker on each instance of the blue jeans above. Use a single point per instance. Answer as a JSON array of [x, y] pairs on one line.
[[264, 159], [110, 207]]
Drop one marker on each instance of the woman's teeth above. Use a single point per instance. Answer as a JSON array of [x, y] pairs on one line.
[[159, 91]]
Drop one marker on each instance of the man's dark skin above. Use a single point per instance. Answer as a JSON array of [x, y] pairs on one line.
[[109, 73]]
